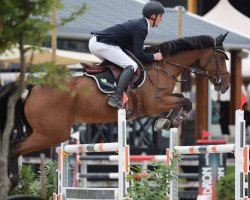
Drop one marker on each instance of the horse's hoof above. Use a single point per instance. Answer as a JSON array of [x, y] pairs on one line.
[[162, 123], [14, 180]]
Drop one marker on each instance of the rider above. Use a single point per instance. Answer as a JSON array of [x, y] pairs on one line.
[[108, 44]]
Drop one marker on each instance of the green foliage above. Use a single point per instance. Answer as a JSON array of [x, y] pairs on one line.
[[26, 19], [48, 74], [51, 178], [230, 170], [27, 177], [226, 185], [51, 181], [155, 185], [30, 183], [29, 20]]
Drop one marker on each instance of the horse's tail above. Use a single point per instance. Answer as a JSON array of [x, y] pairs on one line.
[[20, 120], [21, 127]]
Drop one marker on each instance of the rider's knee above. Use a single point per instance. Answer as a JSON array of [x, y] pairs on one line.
[[132, 68], [135, 66]]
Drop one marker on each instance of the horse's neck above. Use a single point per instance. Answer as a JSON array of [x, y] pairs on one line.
[[185, 59]]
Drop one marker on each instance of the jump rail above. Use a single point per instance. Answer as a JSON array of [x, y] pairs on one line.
[[99, 147], [240, 150], [116, 175], [65, 192], [133, 158], [223, 148]]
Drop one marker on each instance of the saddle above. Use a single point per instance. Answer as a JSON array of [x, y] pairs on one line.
[[103, 67], [106, 76]]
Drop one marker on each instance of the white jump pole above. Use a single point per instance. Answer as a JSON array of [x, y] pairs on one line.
[[99, 147], [241, 158], [240, 150], [60, 179], [123, 158], [221, 148], [123, 154], [174, 183]]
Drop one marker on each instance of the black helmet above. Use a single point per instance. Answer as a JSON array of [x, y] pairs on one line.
[[152, 7]]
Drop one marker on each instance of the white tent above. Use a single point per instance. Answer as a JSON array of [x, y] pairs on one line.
[[45, 55], [224, 14]]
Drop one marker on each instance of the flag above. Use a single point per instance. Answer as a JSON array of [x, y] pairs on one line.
[[205, 134], [124, 99], [243, 99]]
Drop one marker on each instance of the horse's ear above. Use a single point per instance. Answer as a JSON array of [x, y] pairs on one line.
[[221, 38], [224, 36]]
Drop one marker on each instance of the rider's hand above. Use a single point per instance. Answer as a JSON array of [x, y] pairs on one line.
[[158, 56]]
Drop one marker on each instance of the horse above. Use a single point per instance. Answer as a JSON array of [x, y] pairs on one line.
[[49, 113]]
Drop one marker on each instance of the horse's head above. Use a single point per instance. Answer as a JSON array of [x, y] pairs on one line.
[[214, 62]]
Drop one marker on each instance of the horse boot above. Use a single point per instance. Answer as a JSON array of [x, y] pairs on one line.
[[172, 119], [115, 100], [162, 123]]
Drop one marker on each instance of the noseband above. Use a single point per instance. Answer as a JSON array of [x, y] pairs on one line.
[[218, 74]]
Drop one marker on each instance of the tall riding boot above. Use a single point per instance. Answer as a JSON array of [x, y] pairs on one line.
[[115, 100]]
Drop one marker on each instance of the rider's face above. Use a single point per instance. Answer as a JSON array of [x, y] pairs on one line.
[[158, 19]]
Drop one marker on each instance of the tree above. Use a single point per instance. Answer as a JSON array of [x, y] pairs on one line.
[[21, 22]]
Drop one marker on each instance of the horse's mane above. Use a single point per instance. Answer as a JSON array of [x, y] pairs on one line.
[[182, 44]]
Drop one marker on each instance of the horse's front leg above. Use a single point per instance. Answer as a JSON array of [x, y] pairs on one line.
[[176, 115], [179, 114]]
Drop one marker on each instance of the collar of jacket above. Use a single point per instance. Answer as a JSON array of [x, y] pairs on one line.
[[148, 23]]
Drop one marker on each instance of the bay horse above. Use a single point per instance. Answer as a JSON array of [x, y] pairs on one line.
[[50, 113]]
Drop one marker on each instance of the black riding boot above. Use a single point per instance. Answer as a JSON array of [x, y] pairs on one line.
[[115, 100]]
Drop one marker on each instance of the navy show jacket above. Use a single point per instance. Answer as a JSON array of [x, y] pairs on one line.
[[128, 35]]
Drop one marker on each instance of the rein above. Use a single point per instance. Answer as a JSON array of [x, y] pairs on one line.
[[195, 70], [199, 71]]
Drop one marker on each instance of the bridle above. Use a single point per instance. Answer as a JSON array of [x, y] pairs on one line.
[[197, 71], [218, 74]]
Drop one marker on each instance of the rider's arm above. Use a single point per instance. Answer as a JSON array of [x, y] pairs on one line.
[[139, 36]]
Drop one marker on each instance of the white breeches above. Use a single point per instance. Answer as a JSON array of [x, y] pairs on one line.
[[110, 52]]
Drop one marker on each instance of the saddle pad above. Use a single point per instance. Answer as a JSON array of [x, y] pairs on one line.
[[104, 80], [107, 83]]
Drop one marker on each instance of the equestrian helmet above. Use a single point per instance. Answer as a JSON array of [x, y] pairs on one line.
[[152, 7]]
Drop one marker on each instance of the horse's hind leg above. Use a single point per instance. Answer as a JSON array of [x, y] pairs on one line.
[[38, 141]]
